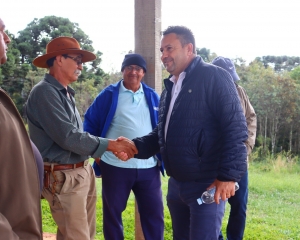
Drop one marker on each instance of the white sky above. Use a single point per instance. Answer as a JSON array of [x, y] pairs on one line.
[[231, 28]]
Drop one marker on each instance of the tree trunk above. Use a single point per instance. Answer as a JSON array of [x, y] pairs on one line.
[[272, 137], [291, 137], [274, 130], [265, 137], [298, 142]]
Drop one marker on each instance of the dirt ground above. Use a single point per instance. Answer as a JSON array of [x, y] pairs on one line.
[[49, 236]]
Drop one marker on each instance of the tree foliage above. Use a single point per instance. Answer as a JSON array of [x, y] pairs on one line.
[[13, 74], [32, 41], [18, 75], [279, 63], [295, 74], [274, 98], [205, 54]]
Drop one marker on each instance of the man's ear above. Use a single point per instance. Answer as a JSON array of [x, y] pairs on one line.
[[58, 60], [190, 47]]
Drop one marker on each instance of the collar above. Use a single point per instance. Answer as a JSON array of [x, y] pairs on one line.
[[124, 89], [53, 81], [181, 76]]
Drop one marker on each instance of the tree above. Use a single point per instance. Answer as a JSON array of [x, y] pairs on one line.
[[18, 74], [32, 42], [205, 54], [273, 97], [33, 39], [279, 63], [13, 74], [241, 68], [85, 94], [295, 74], [31, 79]]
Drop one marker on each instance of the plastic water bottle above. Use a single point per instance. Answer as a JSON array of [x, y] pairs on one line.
[[208, 196]]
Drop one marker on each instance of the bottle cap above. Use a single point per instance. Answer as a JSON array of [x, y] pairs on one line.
[[199, 200]]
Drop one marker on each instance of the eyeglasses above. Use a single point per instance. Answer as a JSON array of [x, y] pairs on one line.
[[77, 59], [130, 68]]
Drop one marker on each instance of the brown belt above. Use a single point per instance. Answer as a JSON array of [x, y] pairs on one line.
[[60, 167]]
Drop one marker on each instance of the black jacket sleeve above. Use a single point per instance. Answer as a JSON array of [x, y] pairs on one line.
[[147, 145]]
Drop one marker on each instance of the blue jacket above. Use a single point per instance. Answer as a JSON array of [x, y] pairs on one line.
[[99, 116], [206, 131]]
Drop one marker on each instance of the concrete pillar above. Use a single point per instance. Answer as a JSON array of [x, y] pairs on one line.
[[147, 33], [147, 30]]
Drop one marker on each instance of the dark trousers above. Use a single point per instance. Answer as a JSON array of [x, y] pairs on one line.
[[191, 221], [238, 207], [146, 186]]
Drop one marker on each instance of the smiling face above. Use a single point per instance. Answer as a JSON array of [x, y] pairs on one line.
[[4, 41], [175, 56], [132, 76]]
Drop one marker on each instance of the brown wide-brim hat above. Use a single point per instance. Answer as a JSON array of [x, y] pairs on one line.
[[59, 46]]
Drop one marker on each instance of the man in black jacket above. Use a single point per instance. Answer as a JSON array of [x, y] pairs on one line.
[[200, 134]]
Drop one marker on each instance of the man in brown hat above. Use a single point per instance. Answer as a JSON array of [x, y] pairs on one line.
[[20, 208], [56, 128]]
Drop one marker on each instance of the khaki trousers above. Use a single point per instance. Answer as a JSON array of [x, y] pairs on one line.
[[73, 206]]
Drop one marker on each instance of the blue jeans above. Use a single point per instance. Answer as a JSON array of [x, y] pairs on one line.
[[238, 206], [189, 219]]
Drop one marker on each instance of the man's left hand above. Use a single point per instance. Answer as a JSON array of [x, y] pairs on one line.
[[224, 190]]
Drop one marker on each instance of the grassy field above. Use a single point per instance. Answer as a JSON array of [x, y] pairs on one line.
[[273, 206]]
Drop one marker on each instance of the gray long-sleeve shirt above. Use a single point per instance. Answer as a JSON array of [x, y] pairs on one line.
[[55, 125]]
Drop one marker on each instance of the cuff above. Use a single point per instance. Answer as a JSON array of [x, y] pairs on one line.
[[101, 148]]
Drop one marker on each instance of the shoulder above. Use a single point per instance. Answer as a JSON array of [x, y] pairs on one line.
[[216, 71], [241, 91], [109, 90], [240, 88], [207, 71], [42, 89]]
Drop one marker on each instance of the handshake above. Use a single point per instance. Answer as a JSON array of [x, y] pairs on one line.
[[123, 148]]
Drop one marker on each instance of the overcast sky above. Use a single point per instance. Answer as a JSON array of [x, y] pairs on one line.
[[231, 28]]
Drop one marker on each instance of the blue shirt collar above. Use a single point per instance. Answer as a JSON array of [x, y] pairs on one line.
[[124, 89], [136, 96]]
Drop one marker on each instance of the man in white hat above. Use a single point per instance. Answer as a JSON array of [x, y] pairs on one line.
[[56, 128]]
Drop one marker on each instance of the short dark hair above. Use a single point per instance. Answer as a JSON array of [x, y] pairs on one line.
[[50, 62], [184, 34]]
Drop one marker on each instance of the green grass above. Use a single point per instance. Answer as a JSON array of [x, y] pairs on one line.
[[273, 205]]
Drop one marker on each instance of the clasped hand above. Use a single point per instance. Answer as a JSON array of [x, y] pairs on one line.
[[123, 148]]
